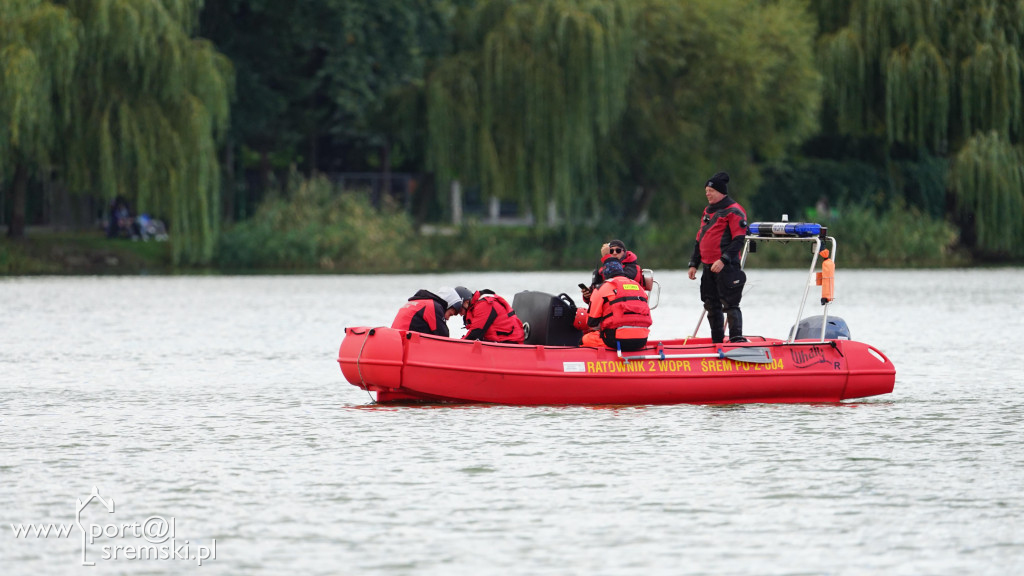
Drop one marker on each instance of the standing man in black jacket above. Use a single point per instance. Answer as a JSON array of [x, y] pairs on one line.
[[720, 238]]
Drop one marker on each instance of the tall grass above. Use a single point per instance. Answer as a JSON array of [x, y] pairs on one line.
[[15, 260]]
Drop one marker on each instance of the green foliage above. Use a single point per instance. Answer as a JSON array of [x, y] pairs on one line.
[[119, 98], [14, 259], [314, 78], [988, 177], [895, 236], [149, 105], [38, 49], [321, 226], [796, 185], [941, 75], [891, 236], [523, 106], [575, 100], [718, 85]]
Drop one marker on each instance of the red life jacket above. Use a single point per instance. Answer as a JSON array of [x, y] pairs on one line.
[[623, 303], [491, 319]]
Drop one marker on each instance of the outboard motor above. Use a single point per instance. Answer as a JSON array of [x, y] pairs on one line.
[[810, 328], [547, 320]]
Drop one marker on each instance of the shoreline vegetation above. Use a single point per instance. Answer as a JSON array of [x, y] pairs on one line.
[[895, 124], [322, 230]]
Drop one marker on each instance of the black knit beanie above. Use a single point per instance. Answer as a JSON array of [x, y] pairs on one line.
[[720, 182]]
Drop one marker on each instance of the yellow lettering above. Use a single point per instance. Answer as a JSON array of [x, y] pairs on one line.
[[630, 287], [590, 367]]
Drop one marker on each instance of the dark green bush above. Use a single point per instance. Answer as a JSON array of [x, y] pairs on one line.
[[321, 226]]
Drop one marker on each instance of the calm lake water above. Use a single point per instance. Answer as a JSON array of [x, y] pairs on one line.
[[215, 404]]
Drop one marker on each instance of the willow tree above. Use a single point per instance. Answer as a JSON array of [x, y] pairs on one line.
[[148, 103], [718, 85], [531, 92], [38, 46], [945, 76]]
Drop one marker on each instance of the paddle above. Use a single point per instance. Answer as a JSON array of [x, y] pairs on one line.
[[754, 355]]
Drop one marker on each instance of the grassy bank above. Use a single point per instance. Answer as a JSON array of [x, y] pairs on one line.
[[89, 253]]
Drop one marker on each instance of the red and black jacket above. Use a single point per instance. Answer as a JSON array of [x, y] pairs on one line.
[[722, 232], [629, 265], [424, 313], [490, 318]]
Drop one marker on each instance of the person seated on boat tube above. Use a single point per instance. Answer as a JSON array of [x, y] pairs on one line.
[[428, 312], [616, 249], [489, 317], [619, 316]]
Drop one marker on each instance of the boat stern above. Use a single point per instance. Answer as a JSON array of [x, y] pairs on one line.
[[372, 358], [871, 373]]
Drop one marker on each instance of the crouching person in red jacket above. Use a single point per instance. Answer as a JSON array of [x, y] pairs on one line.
[[489, 317], [428, 312], [619, 315]]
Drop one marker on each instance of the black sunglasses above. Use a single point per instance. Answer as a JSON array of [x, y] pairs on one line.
[[616, 250]]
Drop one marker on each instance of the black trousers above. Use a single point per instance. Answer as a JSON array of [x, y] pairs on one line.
[[627, 344], [720, 293]]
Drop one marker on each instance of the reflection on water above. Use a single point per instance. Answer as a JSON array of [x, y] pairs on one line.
[[218, 401]]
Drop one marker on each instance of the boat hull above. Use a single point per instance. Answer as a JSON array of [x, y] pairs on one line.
[[404, 366]]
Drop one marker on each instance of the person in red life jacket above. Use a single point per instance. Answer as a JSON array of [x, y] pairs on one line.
[[720, 238], [619, 315], [489, 317], [615, 249], [428, 312]]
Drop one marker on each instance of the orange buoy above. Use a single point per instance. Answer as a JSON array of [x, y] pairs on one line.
[[827, 278]]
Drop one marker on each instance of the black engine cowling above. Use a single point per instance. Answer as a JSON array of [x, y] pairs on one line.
[[810, 328], [547, 319]]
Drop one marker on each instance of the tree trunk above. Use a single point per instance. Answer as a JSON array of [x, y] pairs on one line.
[[228, 194], [256, 195], [456, 201], [16, 230], [385, 156], [641, 203], [314, 152]]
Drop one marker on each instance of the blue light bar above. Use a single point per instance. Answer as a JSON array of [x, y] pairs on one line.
[[801, 229]]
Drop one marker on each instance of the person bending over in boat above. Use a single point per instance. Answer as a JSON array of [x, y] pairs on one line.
[[720, 238], [616, 250], [428, 312], [489, 317], [619, 315]]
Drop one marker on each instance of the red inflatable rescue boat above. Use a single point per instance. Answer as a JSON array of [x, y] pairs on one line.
[[816, 363]]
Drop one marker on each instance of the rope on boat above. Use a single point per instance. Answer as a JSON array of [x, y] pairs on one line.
[[359, 368]]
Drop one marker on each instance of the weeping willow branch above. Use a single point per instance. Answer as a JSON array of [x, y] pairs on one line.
[[943, 75], [38, 49], [987, 179], [149, 105], [523, 108]]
